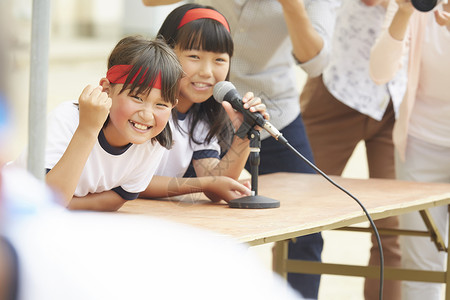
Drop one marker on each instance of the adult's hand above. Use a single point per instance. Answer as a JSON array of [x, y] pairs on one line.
[[443, 16]]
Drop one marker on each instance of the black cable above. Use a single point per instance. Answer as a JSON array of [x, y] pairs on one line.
[[282, 140]]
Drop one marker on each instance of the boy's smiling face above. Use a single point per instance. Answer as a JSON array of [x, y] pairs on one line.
[[135, 118]]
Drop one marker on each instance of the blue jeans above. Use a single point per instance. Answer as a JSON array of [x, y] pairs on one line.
[[276, 157]]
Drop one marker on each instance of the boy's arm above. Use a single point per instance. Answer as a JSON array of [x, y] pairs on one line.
[[94, 107], [215, 187], [159, 2], [104, 201]]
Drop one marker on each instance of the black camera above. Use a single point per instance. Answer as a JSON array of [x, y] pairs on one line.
[[424, 5]]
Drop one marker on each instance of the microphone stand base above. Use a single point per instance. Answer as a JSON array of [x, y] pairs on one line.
[[254, 202]]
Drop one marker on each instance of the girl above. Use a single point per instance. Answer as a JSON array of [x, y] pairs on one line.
[[200, 36], [97, 149]]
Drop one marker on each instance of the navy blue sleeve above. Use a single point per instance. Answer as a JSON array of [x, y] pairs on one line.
[[205, 154], [124, 194]]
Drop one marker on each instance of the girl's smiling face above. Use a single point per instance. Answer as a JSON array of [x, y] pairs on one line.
[[203, 69], [135, 118]]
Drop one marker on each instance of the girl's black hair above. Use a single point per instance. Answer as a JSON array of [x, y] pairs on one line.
[[148, 59], [206, 35]]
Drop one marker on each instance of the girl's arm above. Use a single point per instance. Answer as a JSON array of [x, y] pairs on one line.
[[387, 52], [104, 201], [159, 2], [215, 187], [233, 162], [231, 165], [94, 107]]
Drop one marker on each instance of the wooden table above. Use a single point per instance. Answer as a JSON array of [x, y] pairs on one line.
[[310, 204]]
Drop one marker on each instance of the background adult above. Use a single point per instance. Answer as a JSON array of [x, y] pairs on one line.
[[344, 106], [422, 131]]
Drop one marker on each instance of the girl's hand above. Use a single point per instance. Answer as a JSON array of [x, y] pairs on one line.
[[250, 102], [254, 104], [94, 108], [225, 188]]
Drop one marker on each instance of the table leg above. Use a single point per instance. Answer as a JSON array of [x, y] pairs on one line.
[[447, 277], [280, 256], [436, 236], [282, 265]]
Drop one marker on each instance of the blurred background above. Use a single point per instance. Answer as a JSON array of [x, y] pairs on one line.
[[82, 34]]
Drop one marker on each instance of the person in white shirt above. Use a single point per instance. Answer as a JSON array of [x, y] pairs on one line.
[[344, 106], [422, 131], [201, 126], [104, 149]]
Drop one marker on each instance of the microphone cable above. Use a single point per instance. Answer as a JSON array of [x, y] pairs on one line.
[[226, 91], [283, 141]]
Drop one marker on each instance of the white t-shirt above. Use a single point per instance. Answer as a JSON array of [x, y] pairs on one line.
[[127, 171], [90, 256], [430, 117], [176, 160], [347, 74]]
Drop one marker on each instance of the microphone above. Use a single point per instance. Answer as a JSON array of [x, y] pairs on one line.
[[424, 5], [226, 91]]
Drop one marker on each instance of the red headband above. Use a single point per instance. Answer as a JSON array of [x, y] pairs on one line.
[[203, 13], [119, 74]]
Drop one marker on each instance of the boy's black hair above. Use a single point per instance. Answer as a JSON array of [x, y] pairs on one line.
[[207, 35], [149, 58]]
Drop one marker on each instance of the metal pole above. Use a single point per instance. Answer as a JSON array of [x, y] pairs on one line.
[[37, 111]]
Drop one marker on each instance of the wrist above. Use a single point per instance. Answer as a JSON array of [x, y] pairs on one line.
[[405, 10], [240, 138], [87, 132], [399, 25], [207, 183]]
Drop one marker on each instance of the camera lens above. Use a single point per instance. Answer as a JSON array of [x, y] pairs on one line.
[[424, 5]]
